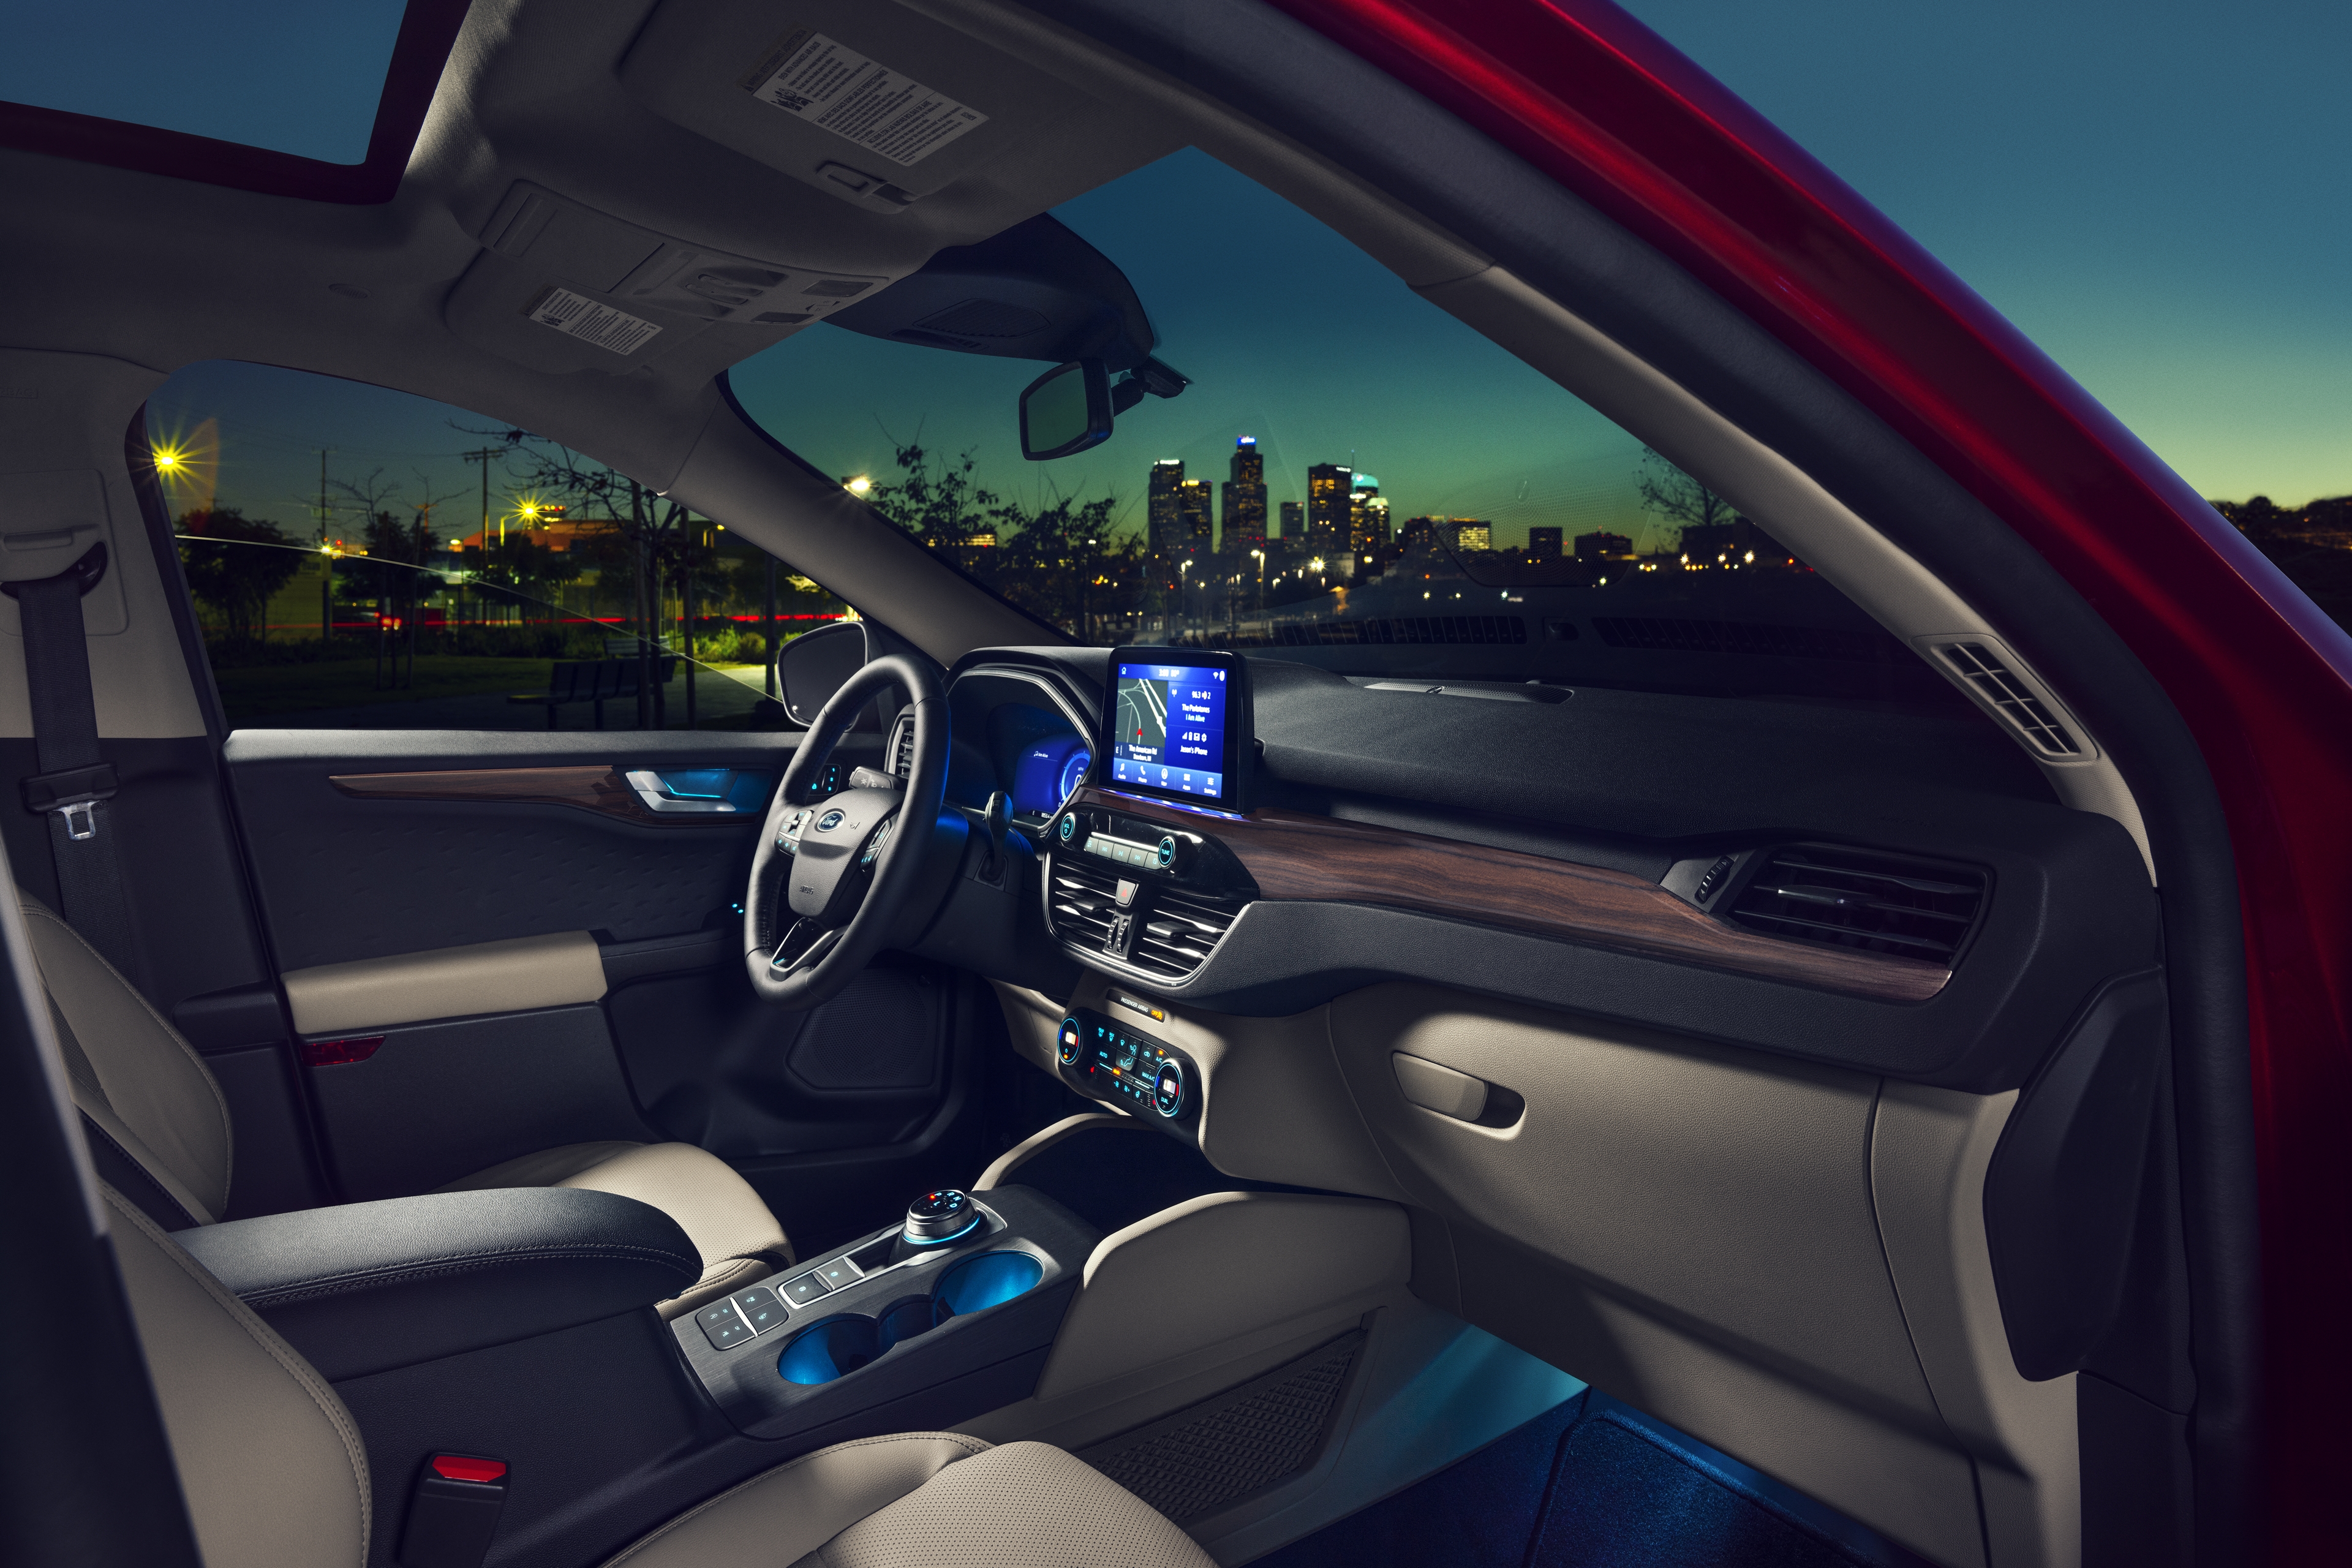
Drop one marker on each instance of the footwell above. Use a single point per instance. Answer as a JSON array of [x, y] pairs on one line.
[[1594, 1484]]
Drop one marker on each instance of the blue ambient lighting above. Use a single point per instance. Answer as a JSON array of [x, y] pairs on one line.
[[988, 1280]]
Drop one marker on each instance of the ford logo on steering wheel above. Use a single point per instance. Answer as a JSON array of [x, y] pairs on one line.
[[828, 822]]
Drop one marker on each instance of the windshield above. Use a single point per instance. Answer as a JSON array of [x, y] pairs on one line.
[[1351, 477]]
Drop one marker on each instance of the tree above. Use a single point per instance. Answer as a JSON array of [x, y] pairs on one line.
[[942, 509], [1673, 497], [237, 564]]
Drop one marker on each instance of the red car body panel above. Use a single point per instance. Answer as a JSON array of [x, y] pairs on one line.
[[2263, 677]]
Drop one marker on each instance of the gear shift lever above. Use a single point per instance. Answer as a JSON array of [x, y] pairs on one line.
[[935, 1220]]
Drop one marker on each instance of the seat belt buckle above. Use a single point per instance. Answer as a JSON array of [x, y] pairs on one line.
[[453, 1512], [71, 792]]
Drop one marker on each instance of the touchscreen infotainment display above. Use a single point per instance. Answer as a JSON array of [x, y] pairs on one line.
[[1176, 723], [1170, 724]]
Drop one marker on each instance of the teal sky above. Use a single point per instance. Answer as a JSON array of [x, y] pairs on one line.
[[2155, 191]]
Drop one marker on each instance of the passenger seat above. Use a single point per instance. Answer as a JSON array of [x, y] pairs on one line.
[[159, 1133]]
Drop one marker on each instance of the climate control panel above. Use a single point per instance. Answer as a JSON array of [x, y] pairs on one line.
[[1106, 1061]]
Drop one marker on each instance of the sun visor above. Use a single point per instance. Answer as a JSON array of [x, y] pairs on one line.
[[868, 102], [561, 287]]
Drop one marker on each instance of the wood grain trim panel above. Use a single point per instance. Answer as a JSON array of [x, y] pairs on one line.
[[597, 788], [1293, 856]]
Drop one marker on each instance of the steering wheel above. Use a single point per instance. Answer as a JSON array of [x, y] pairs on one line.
[[836, 881]]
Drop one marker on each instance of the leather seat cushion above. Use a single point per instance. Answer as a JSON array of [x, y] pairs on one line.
[[924, 1499], [739, 1240]]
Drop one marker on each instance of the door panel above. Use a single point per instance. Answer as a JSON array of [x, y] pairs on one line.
[[436, 1101], [550, 958]]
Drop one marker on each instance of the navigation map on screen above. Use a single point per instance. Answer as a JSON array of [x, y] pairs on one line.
[[1170, 727]]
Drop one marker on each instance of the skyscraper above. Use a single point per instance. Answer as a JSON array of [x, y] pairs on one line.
[[1294, 524], [1195, 535], [1367, 515], [1161, 536], [1473, 533], [1328, 486], [1543, 544], [1245, 499]]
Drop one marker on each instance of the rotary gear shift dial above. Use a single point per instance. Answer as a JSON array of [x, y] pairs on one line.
[[935, 1220]]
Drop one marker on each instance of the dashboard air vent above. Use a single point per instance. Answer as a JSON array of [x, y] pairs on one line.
[[1980, 667], [1083, 902], [1856, 898], [902, 748], [1178, 934]]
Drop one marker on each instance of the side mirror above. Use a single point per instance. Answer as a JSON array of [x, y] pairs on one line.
[[814, 665], [1065, 410]]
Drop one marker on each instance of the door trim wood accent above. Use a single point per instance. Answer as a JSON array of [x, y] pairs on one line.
[[598, 788], [1293, 856]]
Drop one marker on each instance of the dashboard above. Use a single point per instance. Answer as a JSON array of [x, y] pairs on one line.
[[1934, 919]]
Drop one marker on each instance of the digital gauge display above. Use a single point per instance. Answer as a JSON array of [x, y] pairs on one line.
[[1133, 1068], [1048, 771]]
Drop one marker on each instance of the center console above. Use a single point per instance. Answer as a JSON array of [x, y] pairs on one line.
[[911, 1329]]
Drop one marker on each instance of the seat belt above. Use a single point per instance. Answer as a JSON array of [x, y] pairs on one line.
[[74, 785]]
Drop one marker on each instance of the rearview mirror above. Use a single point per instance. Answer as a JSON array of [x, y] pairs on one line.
[[1065, 410]]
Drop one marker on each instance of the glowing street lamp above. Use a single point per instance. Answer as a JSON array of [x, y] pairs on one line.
[[859, 485]]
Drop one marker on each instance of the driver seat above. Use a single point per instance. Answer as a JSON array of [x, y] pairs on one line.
[[158, 1128]]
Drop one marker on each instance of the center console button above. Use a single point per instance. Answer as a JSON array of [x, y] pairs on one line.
[[837, 1273], [760, 1309], [799, 1292], [722, 1326]]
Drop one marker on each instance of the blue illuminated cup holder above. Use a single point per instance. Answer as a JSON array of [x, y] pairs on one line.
[[987, 1280], [834, 1347], [830, 1349]]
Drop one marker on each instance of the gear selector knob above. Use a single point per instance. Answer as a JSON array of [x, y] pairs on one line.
[[936, 1218]]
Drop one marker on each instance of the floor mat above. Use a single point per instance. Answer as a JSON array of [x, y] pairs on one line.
[[1594, 1484]]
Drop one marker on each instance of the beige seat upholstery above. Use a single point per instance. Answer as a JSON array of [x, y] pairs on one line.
[[275, 1475], [159, 1129]]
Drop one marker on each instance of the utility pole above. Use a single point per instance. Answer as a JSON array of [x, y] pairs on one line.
[[772, 626], [326, 561], [483, 457]]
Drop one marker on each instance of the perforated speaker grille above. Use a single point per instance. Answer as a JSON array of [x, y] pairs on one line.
[[1216, 1453]]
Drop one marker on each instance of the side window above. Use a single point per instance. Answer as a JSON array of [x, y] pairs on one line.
[[360, 558]]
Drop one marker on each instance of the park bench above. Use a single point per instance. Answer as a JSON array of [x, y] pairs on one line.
[[598, 681]]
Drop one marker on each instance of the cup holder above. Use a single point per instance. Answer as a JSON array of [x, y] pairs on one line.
[[985, 1281], [837, 1346], [830, 1349]]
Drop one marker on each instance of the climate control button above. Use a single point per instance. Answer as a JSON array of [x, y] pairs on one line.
[[1167, 1089]]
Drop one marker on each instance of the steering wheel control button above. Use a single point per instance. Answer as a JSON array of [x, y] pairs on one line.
[[723, 1326], [1072, 1039], [799, 1292], [1167, 1089], [760, 1308]]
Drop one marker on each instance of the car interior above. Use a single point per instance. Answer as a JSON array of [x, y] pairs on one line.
[[1203, 1082]]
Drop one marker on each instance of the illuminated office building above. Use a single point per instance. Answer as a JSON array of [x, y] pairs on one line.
[[1470, 534], [1195, 536], [1543, 544], [1294, 522], [1603, 546], [1160, 533], [1245, 499], [1328, 489], [1367, 515]]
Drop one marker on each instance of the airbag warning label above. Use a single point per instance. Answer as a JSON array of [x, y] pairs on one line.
[[809, 75], [582, 318]]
